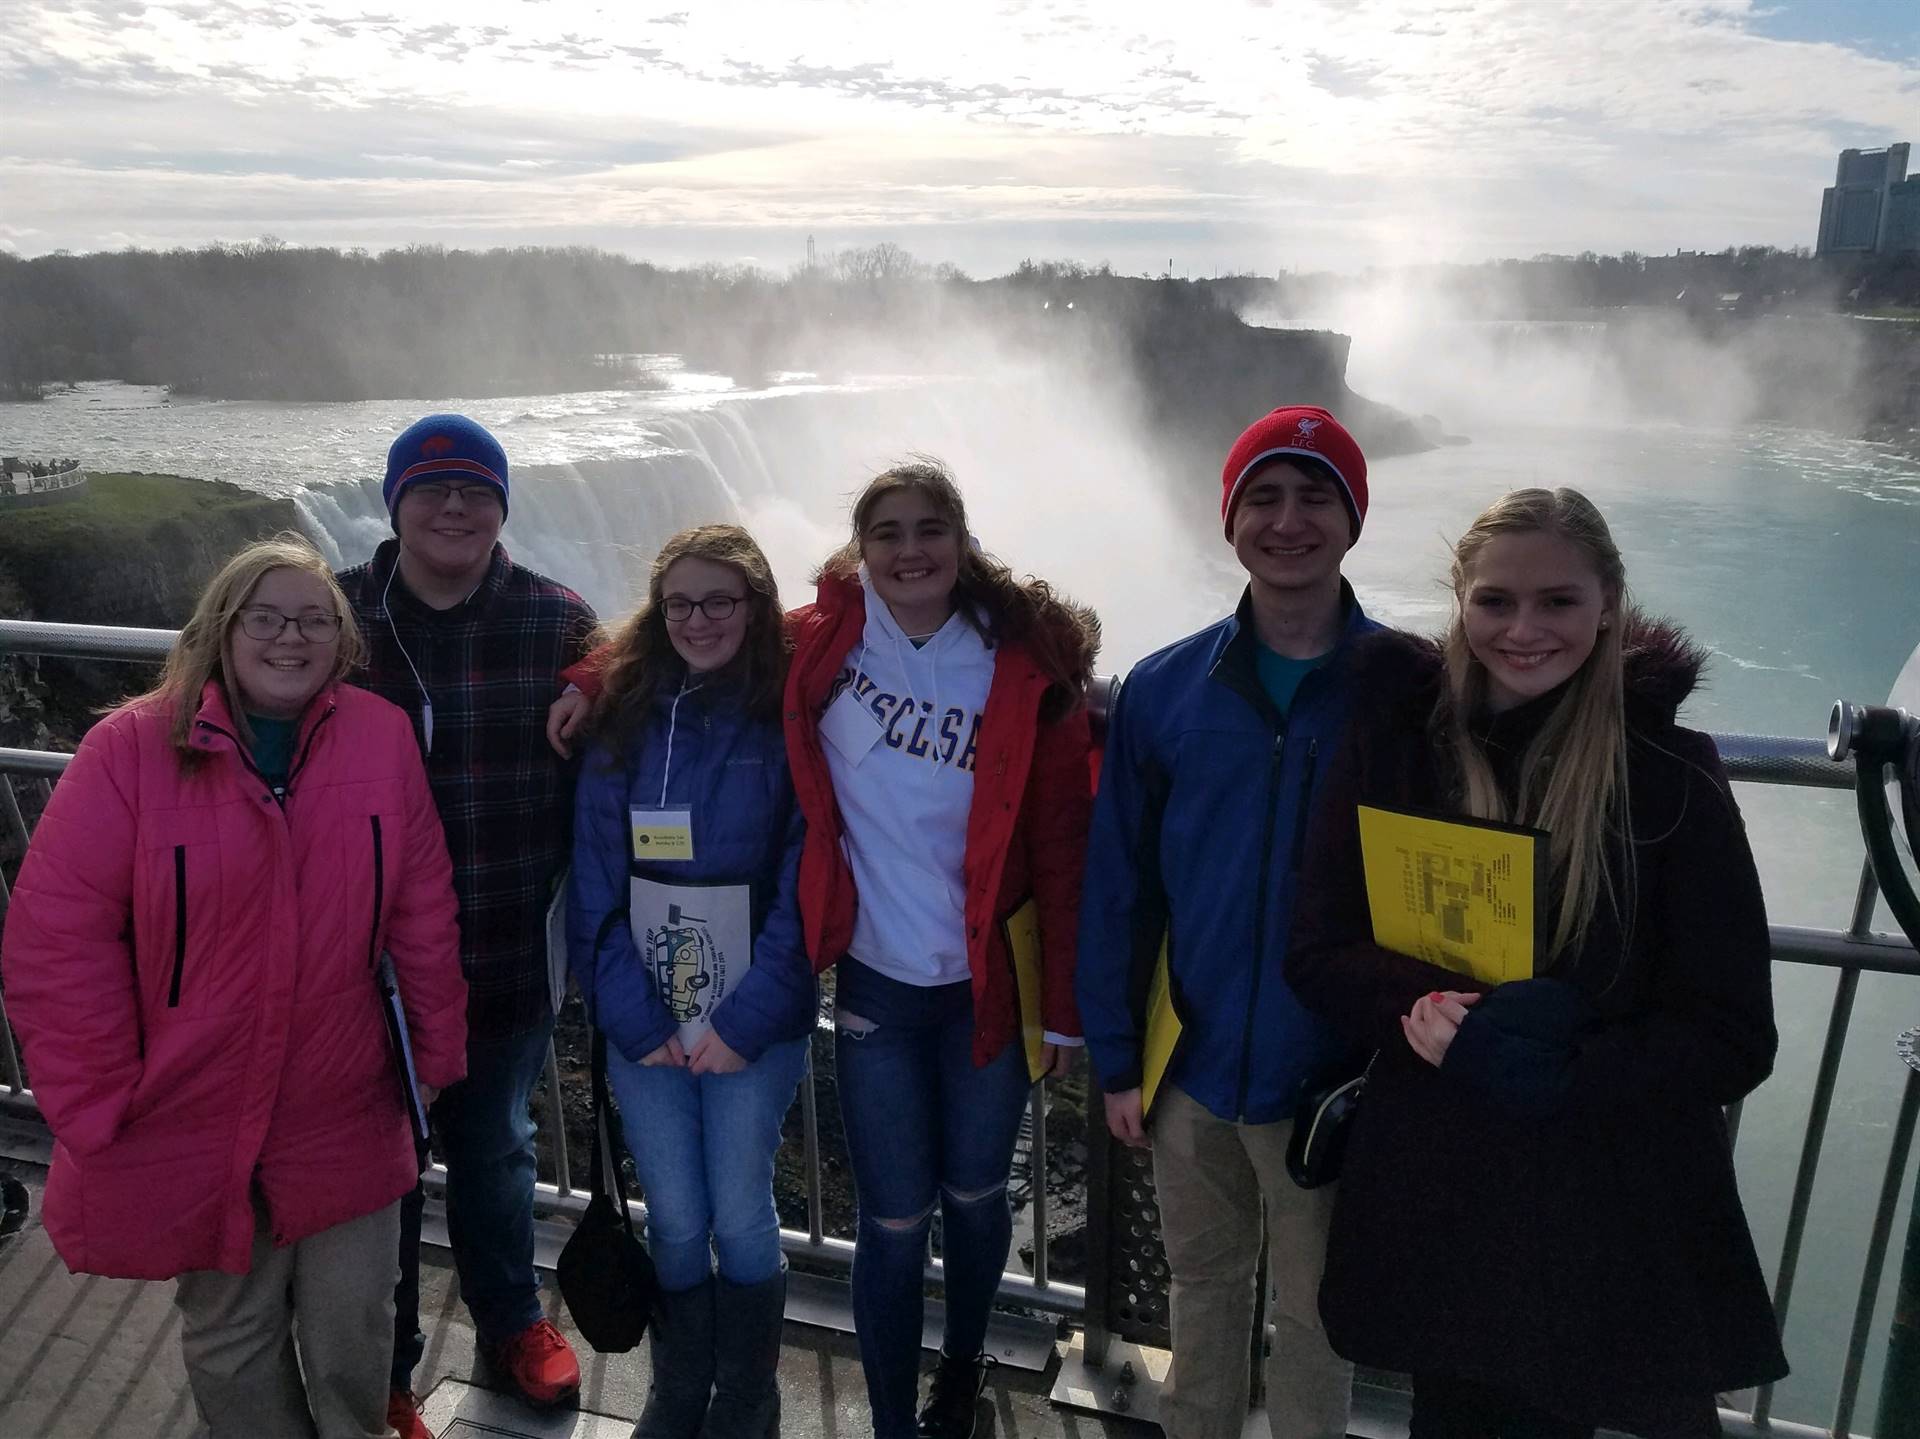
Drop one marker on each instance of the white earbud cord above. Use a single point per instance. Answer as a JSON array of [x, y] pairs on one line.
[[426, 699]]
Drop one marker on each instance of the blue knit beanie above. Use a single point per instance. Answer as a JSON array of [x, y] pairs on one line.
[[444, 445]]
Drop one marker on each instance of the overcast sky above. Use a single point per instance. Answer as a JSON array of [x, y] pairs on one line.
[[1308, 134]]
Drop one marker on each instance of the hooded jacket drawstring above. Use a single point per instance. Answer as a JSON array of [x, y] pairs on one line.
[[673, 716]]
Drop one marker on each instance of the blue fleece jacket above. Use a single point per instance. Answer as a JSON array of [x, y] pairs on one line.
[[1205, 794], [731, 771]]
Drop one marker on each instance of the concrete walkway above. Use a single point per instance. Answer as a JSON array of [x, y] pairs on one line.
[[90, 1358]]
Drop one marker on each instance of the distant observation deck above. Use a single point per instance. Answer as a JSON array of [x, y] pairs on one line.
[[24, 484]]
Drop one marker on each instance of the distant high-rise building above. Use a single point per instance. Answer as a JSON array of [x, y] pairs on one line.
[[1871, 208]]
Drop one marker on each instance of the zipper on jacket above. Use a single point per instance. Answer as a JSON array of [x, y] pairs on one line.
[[179, 923], [1304, 811], [379, 879], [246, 758], [1274, 772], [306, 750]]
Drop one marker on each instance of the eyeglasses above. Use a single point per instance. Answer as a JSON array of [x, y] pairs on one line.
[[679, 609], [435, 493], [261, 623]]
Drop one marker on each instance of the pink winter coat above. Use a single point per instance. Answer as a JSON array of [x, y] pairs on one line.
[[190, 968]]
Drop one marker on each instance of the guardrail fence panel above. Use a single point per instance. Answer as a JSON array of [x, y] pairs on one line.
[[1125, 1296]]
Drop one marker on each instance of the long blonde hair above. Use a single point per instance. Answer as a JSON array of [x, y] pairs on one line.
[[642, 661], [200, 653], [1573, 775]]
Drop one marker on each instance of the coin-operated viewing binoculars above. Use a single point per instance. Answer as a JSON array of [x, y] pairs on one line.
[[1883, 744]]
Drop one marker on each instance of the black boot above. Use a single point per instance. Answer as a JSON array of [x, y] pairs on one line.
[[681, 1338], [746, 1359], [953, 1401]]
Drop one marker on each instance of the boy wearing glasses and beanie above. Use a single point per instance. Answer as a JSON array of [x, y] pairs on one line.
[[471, 645], [1212, 754]]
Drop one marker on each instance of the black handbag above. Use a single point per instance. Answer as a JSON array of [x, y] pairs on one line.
[[1321, 1126], [605, 1273]]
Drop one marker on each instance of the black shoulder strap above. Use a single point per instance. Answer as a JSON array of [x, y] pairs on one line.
[[606, 1177]]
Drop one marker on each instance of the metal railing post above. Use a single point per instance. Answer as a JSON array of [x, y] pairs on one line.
[[1838, 1021], [1097, 1327], [1037, 1160], [810, 1150], [1890, 1187], [557, 1117], [16, 1081], [10, 811], [1899, 1416]]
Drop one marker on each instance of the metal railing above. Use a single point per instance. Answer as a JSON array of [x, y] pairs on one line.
[[20, 483], [1755, 759], [814, 1245]]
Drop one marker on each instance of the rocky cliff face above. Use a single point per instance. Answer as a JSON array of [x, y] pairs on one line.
[[1197, 369], [1207, 381], [137, 551]]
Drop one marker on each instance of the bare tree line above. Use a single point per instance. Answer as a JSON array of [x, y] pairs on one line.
[[272, 321]]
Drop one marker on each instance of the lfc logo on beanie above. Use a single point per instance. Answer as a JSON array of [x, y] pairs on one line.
[[1305, 434]]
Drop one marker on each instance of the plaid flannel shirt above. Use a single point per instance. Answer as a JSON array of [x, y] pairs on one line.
[[492, 666]]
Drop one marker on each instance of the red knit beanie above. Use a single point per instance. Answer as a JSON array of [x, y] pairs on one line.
[[1300, 432]]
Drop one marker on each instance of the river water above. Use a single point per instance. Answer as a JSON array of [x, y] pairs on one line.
[[1794, 555]]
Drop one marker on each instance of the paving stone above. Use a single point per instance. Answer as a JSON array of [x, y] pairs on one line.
[[90, 1358]]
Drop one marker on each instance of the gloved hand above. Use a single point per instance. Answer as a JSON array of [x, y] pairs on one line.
[[1516, 1046]]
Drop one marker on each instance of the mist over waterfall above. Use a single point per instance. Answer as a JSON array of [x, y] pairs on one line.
[[1058, 478]]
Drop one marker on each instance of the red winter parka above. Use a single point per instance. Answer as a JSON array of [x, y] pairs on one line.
[[1026, 829], [190, 967]]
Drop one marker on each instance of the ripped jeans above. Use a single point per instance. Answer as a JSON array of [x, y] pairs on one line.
[[925, 1128]]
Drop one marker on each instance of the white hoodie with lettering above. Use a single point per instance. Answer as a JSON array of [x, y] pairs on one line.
[[902, 761]]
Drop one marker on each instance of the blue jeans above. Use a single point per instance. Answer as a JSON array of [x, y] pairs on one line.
[[925, 1128], [485, 1134], [703, 1146]]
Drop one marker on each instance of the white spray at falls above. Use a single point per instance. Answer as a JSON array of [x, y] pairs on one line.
[[1056, 476]]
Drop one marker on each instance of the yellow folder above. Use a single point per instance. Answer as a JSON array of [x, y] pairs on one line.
[[1468, 895], [1022, 929], [1162, 1034]]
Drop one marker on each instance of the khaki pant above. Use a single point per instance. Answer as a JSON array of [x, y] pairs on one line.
[[330, 1299], [1214, 1177]]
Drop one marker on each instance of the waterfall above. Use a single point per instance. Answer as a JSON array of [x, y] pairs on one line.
[[1057, 478], [1062, 476]]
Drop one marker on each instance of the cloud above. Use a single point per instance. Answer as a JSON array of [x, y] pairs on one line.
[[1322, 132], [1339, 78]]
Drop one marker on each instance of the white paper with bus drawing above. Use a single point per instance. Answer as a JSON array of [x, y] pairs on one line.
[[696, 941]]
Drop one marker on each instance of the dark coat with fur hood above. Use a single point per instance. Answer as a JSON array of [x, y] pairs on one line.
[[1553, 1211]]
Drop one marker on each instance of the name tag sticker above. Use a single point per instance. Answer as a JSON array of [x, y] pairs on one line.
[[849, 726], [663, 834]]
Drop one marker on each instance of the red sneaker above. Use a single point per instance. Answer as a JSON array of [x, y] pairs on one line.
[[539, 1363], [403, 1415]]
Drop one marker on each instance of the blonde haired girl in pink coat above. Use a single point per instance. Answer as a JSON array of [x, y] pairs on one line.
[[189, 961]]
